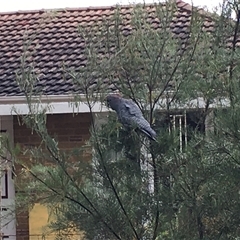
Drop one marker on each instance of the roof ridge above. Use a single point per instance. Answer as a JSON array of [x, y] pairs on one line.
[[180, 3], [68, 9]]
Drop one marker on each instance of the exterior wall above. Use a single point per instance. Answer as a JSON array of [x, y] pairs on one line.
[[71, 131], [7, 218]]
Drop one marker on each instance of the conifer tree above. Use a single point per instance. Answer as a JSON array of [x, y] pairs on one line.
[[185, 185]]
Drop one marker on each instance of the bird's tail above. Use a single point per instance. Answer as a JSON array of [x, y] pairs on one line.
[[150, 133]]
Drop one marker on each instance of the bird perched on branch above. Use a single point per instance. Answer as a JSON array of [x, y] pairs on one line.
[[130, 115]]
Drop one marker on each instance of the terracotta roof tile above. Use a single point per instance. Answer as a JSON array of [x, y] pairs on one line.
[[56, 42]]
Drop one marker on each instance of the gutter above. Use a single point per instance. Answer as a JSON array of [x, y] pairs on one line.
[[43, 99], [55, 104]]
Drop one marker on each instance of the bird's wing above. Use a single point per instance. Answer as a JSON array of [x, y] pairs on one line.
[[132, 108], [137, 119]]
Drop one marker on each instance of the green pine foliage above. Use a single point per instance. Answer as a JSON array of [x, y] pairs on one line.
[[185, 185]]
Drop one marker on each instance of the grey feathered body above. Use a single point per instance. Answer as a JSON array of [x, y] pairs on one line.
[[130, 115]]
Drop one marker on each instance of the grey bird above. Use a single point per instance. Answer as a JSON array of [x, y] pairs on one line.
[[130, 115]]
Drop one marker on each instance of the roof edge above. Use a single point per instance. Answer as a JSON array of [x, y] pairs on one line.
[[43, 99]]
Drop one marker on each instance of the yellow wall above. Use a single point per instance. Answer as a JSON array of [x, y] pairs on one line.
[[38, 219]]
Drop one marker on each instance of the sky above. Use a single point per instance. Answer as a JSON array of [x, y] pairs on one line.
[[15, 5]]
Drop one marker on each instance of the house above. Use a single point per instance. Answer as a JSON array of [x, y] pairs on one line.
[[54, 42]]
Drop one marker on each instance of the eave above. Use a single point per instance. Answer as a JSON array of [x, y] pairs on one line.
[[57, 104], [17, 105]]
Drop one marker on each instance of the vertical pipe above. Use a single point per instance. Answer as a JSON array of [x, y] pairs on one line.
[[185, 126], [180, 131]]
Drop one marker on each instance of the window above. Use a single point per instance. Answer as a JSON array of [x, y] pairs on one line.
[[182, 124], [8, 224]]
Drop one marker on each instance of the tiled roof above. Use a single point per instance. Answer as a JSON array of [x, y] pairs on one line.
[[57, 42]]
